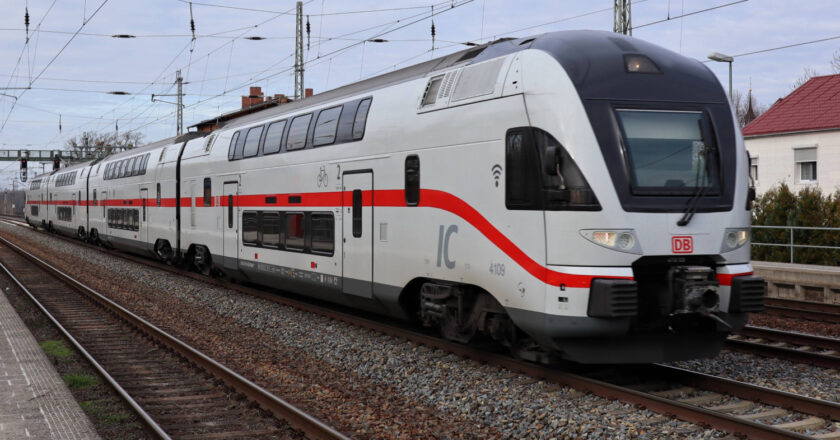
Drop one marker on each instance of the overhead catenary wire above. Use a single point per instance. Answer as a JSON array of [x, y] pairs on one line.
[[52, 60]]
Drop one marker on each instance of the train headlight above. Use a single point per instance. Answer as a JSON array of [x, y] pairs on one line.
[[623, 240], [734, 238]]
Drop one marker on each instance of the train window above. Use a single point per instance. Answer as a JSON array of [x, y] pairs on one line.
[[94, 197], [361, 119], [207, 195], [432, 90], [252, 142], [158, 194], [412, 180], [33, 210], [274, 137], [357, 213], [250, 227], [271, 226], [522, 185], [295, 231], [131, 168], [230, 210], [209, 142], [232, 146], [323, 232], [144, 159], [162, 152], [297, 132], [121, 169], [107, 174], [240, 145], [326, 126], [136, 219]]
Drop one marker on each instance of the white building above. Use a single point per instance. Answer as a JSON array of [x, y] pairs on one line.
[[797, 140]]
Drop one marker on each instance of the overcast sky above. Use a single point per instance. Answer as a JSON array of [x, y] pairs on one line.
[[220, 64]]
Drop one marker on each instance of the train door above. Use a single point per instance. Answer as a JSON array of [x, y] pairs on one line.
[[230, 226], [144, 229], [357, 233], [105, 222]]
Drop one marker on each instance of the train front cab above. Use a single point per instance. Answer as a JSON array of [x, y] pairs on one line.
[[643, 177]]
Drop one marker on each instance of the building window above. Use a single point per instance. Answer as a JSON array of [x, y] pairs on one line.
[[806, 164], [754, 169]]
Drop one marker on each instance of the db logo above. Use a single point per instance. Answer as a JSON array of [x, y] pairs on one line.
[[682, 244]]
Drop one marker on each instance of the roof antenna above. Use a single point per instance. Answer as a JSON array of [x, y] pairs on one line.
[[26, 23]]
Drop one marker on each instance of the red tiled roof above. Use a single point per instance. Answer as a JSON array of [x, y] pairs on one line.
[[815, 105]]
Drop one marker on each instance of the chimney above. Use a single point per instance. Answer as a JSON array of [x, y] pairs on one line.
[[255, 97], [281, 98], [307, 93]]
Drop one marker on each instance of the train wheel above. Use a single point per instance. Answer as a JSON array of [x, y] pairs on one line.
[[93, 237], [202, 261], [163, 250]]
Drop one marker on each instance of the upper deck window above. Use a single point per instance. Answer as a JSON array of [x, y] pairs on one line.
[[273, 137], [361, 119], [669, 152], [326, 125], [297, 132], [252, 142]]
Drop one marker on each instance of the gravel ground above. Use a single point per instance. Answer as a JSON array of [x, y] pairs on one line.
[[374, 386], [778, 374]]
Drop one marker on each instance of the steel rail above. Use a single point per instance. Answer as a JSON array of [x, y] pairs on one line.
[[808, 310], [683, 411], [312, 427], [147, 419], [829, 357]]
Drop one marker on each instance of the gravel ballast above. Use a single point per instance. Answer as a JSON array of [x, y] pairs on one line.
[[370, 385]]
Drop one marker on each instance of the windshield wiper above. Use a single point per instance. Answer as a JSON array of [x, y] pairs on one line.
[[699, 191]]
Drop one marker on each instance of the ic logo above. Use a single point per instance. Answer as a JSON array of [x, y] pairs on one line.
[[497, 173], [682, 244]]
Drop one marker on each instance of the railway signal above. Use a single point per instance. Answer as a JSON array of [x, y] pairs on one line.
[[23, 169]]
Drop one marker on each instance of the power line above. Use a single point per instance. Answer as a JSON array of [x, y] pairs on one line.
[[32, 81], [364, 11], [689, 13], [786, 46]]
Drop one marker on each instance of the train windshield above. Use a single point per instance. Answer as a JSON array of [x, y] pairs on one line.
[[669, 152]]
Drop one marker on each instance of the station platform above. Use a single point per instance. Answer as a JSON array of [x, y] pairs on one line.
[[35, 403]]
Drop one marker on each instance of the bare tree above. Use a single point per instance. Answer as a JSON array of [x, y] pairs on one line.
[[741, 105], [807, 73], [835, 62], [94, 143]]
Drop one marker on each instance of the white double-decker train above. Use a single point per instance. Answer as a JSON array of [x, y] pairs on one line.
[[576, 193]]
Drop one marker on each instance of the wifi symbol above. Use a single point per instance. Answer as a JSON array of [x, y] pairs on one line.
[[497, 173]]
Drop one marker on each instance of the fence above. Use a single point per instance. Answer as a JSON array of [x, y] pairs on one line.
[[830, 254]]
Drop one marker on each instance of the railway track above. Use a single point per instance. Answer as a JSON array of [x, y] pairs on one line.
[[811, 311], [735, 407], [797, 347], [176, 390]]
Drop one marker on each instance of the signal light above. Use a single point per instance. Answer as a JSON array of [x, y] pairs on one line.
[[56, 162], [23, 163]]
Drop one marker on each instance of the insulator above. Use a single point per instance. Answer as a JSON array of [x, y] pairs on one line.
[[26, 22], [308, 30]]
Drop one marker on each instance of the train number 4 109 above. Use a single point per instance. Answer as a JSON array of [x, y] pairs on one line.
[[497, 269]]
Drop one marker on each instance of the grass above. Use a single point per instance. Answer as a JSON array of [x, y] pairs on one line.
[[80, 381], [56, 348], [98, 409]]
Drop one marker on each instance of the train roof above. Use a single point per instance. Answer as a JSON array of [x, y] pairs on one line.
[[154, 145], [595, 61]]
